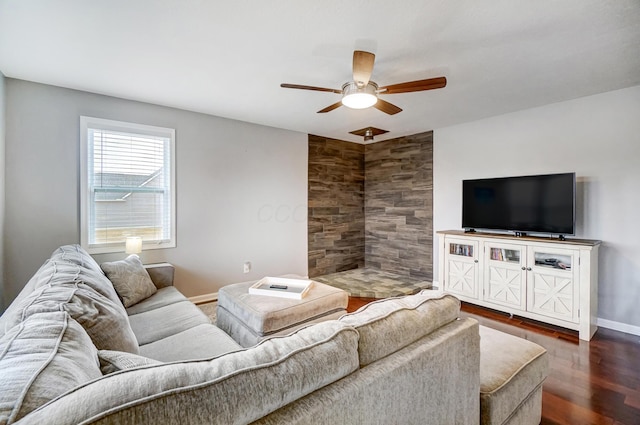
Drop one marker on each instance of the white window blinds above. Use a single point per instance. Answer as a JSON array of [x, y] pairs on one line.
[[128, 185]]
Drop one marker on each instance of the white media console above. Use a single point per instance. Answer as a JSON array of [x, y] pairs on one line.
[[550, 280]]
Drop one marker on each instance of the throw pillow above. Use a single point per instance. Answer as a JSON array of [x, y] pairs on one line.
[[113, 361], [130, 279]]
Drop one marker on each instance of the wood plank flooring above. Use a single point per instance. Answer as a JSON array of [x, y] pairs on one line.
[[595, 382]]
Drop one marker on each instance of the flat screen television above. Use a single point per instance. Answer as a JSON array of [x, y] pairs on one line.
[[540, 204]]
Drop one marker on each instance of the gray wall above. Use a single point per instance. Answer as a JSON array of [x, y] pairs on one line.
[[241, 188], [598, 137], [2, 162]]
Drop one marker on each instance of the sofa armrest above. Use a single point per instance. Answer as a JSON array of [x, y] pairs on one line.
[[161, 274]]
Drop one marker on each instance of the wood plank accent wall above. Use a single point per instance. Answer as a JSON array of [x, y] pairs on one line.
[[336, 206], [371, 205], [399, 205]]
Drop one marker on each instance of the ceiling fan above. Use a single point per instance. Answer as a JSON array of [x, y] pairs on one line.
[[362, 93]]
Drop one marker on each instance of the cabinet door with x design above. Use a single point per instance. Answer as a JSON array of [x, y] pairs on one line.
[[461, 268], [553, 288], [505, 278]]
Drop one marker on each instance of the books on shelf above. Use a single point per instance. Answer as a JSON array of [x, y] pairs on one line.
[[464, 250], [281, 287], [507, 255], [499, 254], [496, 254]]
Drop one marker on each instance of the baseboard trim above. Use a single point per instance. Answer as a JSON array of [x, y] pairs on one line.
[[618, 326], [206, 298]]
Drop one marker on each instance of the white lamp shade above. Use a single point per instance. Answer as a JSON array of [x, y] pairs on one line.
[[359, 97], [359, 100], [133, 245]]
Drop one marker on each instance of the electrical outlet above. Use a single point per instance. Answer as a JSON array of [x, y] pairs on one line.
[[247, 267]]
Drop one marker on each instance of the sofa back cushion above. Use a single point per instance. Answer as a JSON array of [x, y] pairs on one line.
[[72, 281], [75, 254], [388, 325], [71, 263], [67, 264], [42, 357], [8, 318], [105, 321], [235, 388]]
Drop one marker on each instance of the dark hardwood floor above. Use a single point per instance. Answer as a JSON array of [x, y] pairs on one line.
[[595, 382]]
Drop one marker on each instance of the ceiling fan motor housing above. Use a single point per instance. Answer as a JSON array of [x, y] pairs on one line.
[[359, 97]]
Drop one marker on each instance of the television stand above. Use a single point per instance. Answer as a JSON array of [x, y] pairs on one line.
[[469, 230], [520, 234], [562, 238], [546, 279]]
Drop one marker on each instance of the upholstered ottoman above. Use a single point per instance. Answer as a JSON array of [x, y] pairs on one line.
[[250, 318], [512, 370]]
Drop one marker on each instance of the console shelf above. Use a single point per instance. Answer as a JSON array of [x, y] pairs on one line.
[[549, 280]]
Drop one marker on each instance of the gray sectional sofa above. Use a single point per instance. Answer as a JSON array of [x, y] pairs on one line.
[[72, 353]]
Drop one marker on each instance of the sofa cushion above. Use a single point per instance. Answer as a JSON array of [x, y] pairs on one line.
[[159, 323], [42, 357], [105, 321], [162, 297], [386, 326], [68, 273], [200, 342], [75, 254], [71, 263], [235, 388], [113, 361], [68, 264], [11, 316], [511, 369], [130, 279]]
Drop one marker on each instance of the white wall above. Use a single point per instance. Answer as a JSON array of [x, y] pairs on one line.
[[241, 188], [598, 137]]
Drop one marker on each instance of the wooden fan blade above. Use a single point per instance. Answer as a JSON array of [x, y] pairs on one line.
[[420, 85], [330, 107], [362, 66], [301, 87], [386, 107]]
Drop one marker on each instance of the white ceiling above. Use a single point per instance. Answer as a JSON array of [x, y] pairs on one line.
[[229, 58]]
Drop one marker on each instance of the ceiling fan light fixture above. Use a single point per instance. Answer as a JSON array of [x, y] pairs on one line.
[[359, 97]]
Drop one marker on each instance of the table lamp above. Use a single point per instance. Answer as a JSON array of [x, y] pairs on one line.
[[133, 245]]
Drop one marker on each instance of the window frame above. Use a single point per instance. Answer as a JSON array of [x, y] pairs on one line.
[[87, 123]]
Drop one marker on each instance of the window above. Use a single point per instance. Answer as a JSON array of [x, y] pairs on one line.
[[127, 185]]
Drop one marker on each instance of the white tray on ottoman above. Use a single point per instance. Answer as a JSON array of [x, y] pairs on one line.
[[283, 287], [250, 318]]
